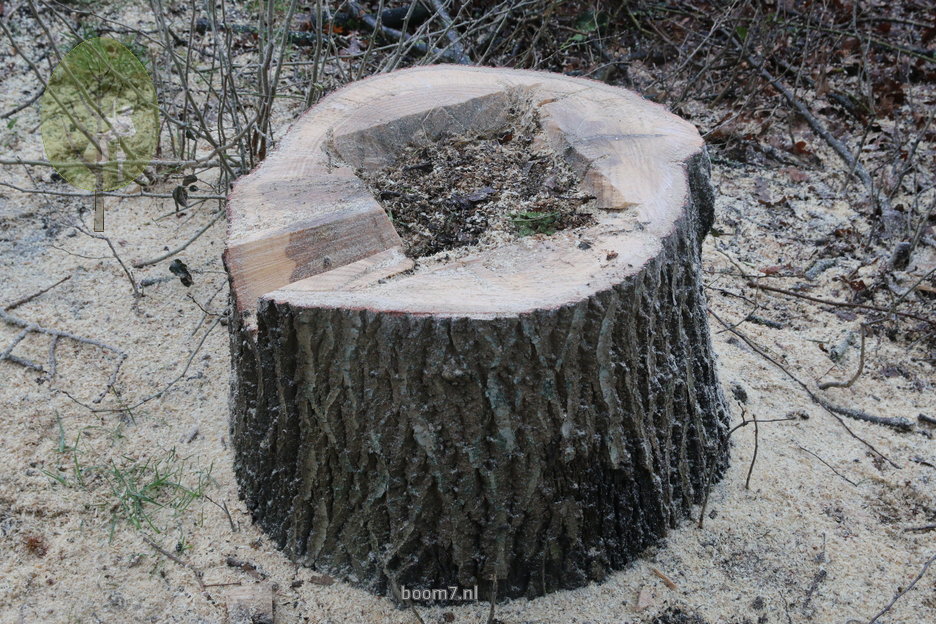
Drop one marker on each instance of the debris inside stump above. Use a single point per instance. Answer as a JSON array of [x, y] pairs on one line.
[[464, 193]]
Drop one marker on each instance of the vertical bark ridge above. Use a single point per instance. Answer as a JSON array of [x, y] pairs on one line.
[[547, 448]]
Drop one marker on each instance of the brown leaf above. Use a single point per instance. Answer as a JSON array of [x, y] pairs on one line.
[[928, 35], [856, 285], [800, 147]]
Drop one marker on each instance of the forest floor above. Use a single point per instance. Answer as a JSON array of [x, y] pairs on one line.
[[127, 510]]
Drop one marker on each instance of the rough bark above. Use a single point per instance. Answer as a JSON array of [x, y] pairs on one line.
[[546, 448]]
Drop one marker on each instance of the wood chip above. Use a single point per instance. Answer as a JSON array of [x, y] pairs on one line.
[[322, 580], [666, 580], [644, 599], [250, 604]]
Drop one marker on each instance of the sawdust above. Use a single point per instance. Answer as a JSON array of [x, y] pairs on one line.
[[464, 193]]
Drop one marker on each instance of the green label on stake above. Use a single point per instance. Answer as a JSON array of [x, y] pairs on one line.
[[100, 119]]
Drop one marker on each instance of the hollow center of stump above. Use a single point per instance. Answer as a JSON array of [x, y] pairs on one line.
[[463, 192]]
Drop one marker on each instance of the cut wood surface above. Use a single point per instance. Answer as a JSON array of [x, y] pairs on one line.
[[536, 412], [303, 212]]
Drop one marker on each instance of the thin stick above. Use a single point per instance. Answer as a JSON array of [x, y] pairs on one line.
[[142, 263], [490, 618], [198, 573], [156, 395], [37, 191], [861, 360], [666, 580], [16, 340], [126, 270], [747, 481], [926, 566], [28, 298], [829, 466], [23, 105], [55, 334], [898, 423], [844, 304], [711, 470]]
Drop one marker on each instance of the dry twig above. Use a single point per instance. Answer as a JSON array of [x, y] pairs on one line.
[[900, 594], [56, 334], [28, 298]]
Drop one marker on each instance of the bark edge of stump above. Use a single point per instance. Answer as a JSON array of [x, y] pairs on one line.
[[541, 422]]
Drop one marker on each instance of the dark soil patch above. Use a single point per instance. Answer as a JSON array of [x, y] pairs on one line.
[[469, 190], [677, 616]]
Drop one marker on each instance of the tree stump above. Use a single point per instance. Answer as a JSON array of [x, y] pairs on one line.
[[539, 412]]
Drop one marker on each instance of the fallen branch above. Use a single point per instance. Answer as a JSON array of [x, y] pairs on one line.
[[398, 35], [848, 384], [894, 221], [843, 304], [899, 423], [24, 105], [834, 410], [28, 298], [142, 263], [829, 466], [926, 566], [55, 334], [455, 43]]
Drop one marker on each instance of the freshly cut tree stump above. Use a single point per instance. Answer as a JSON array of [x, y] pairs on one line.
[[538, 412]]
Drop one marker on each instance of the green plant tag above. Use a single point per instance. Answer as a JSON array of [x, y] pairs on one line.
[[99, 117]]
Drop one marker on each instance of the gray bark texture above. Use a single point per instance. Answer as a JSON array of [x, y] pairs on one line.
[[546, 449]]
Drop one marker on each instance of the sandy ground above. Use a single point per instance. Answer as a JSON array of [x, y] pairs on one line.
[[820, 536]]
